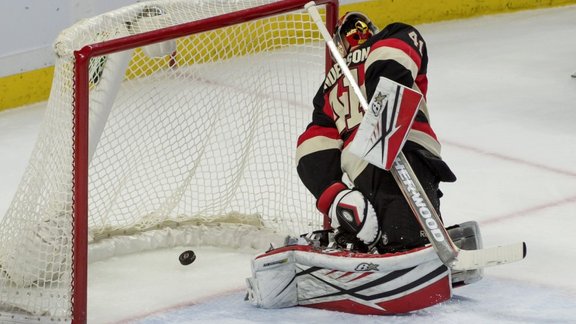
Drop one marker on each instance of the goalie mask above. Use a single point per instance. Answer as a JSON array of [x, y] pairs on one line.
[[352, 30]]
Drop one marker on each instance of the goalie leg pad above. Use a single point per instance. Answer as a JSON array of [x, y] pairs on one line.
[[359, 283]]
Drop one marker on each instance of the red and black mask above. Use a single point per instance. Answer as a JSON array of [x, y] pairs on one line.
[[352, 30]]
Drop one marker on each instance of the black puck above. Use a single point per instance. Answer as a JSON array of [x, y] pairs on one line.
[[187, 257]]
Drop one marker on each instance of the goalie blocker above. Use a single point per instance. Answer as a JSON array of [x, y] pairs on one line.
[[307, 274]]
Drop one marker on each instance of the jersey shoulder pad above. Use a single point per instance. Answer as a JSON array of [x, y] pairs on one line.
[[405, 33]]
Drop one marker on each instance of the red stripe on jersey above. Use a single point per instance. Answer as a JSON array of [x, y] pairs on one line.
[[424, 127], [316, 130], [422, 83]]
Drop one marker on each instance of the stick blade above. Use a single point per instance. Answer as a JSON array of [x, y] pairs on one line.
[[476, 259]]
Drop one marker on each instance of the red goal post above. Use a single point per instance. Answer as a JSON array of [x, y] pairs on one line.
[[50, 203], [81, 107]]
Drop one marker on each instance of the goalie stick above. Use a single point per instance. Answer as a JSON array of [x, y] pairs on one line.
[[448, 252]]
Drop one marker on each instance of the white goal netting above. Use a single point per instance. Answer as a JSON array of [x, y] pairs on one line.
[[188, 132]]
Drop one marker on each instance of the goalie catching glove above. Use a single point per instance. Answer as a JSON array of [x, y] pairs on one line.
[[350, 213]]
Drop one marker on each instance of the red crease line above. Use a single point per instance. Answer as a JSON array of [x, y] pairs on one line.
[[524, 212], [510, 159]]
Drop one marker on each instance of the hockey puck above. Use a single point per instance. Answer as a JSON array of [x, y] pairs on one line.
[[187, 257]]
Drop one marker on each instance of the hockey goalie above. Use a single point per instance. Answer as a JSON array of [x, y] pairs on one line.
[[374, 257]]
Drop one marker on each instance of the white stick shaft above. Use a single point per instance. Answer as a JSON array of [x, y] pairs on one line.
[[311, 7], [423, 209]]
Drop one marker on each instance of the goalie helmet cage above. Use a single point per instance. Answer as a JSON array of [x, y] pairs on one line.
[[174, 119]]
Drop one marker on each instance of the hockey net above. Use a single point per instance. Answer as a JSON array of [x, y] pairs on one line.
[[194, 108]]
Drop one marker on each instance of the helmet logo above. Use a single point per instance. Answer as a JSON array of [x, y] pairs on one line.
[[359, 34], [352, 30]]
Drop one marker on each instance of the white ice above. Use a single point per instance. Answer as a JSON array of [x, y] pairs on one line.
[[504, 106]]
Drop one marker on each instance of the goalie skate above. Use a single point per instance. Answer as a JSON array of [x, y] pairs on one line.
[[466, 236]]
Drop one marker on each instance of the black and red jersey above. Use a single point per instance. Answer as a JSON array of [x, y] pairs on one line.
[[398, 52]]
